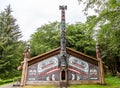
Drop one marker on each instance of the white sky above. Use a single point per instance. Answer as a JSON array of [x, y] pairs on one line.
[[31, 14]]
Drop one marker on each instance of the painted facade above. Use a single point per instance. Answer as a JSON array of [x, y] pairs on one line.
[[48, 70], [44, 69]]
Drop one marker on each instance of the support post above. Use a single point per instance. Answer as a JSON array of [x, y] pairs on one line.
[[25, 66], [100, 64]]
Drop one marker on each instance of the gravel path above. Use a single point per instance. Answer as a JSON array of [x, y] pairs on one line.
[[10, 85]]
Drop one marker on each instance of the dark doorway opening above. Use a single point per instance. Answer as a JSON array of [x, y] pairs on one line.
[[63, 75]]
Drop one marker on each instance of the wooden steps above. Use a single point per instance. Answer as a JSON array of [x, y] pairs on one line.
[[63, 85]]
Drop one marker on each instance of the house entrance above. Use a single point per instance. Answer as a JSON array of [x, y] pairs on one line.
[[63, 75]]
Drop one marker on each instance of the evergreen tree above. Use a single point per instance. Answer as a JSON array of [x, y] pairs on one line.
[[9, 44]]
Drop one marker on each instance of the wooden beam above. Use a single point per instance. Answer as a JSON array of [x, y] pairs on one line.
[[101, 72]]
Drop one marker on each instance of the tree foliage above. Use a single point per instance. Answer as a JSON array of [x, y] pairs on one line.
[[10, 47], [47, 37], [109, 30]]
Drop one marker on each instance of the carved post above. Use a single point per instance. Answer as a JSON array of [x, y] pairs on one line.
[[25, 66], [63, 31], [63, 55], [98, 54], [100, 64]]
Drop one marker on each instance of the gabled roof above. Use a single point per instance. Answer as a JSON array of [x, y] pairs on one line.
[[56, 51]]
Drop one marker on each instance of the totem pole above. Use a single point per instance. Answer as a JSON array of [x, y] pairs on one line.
[[98, 56], [63, 54], [25, 65]]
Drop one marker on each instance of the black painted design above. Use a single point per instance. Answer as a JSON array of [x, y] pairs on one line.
[[81, 70], [48, 70]]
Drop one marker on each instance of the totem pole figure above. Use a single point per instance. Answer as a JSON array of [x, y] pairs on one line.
[[63, 55], [25, 65], [98, 56]]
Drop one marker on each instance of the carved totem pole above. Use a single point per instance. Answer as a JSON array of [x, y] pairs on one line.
[[25, 65], [63, 54], [98, 56]]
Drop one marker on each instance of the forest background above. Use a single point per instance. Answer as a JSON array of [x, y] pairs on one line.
[[103, 27]]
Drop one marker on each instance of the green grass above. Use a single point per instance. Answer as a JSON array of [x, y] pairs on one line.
[[111, 82], [95, 86], [7, 81]]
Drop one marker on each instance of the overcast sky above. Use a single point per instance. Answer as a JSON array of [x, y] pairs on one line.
[[31, 14]]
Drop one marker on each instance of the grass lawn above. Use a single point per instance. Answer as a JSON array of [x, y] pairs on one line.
[[4, 82], [111, 82]]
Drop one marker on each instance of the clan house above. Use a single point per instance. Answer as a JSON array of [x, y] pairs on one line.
[[62, 66]]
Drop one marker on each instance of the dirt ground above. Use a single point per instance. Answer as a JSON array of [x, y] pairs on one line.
[[10, 85]]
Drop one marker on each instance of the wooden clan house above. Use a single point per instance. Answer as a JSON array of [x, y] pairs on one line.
[[62, 65]]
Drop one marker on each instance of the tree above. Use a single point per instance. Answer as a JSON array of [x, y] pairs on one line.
[[9, 44], [79, 37], [96, 5], [47, 37], [109, 30]]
